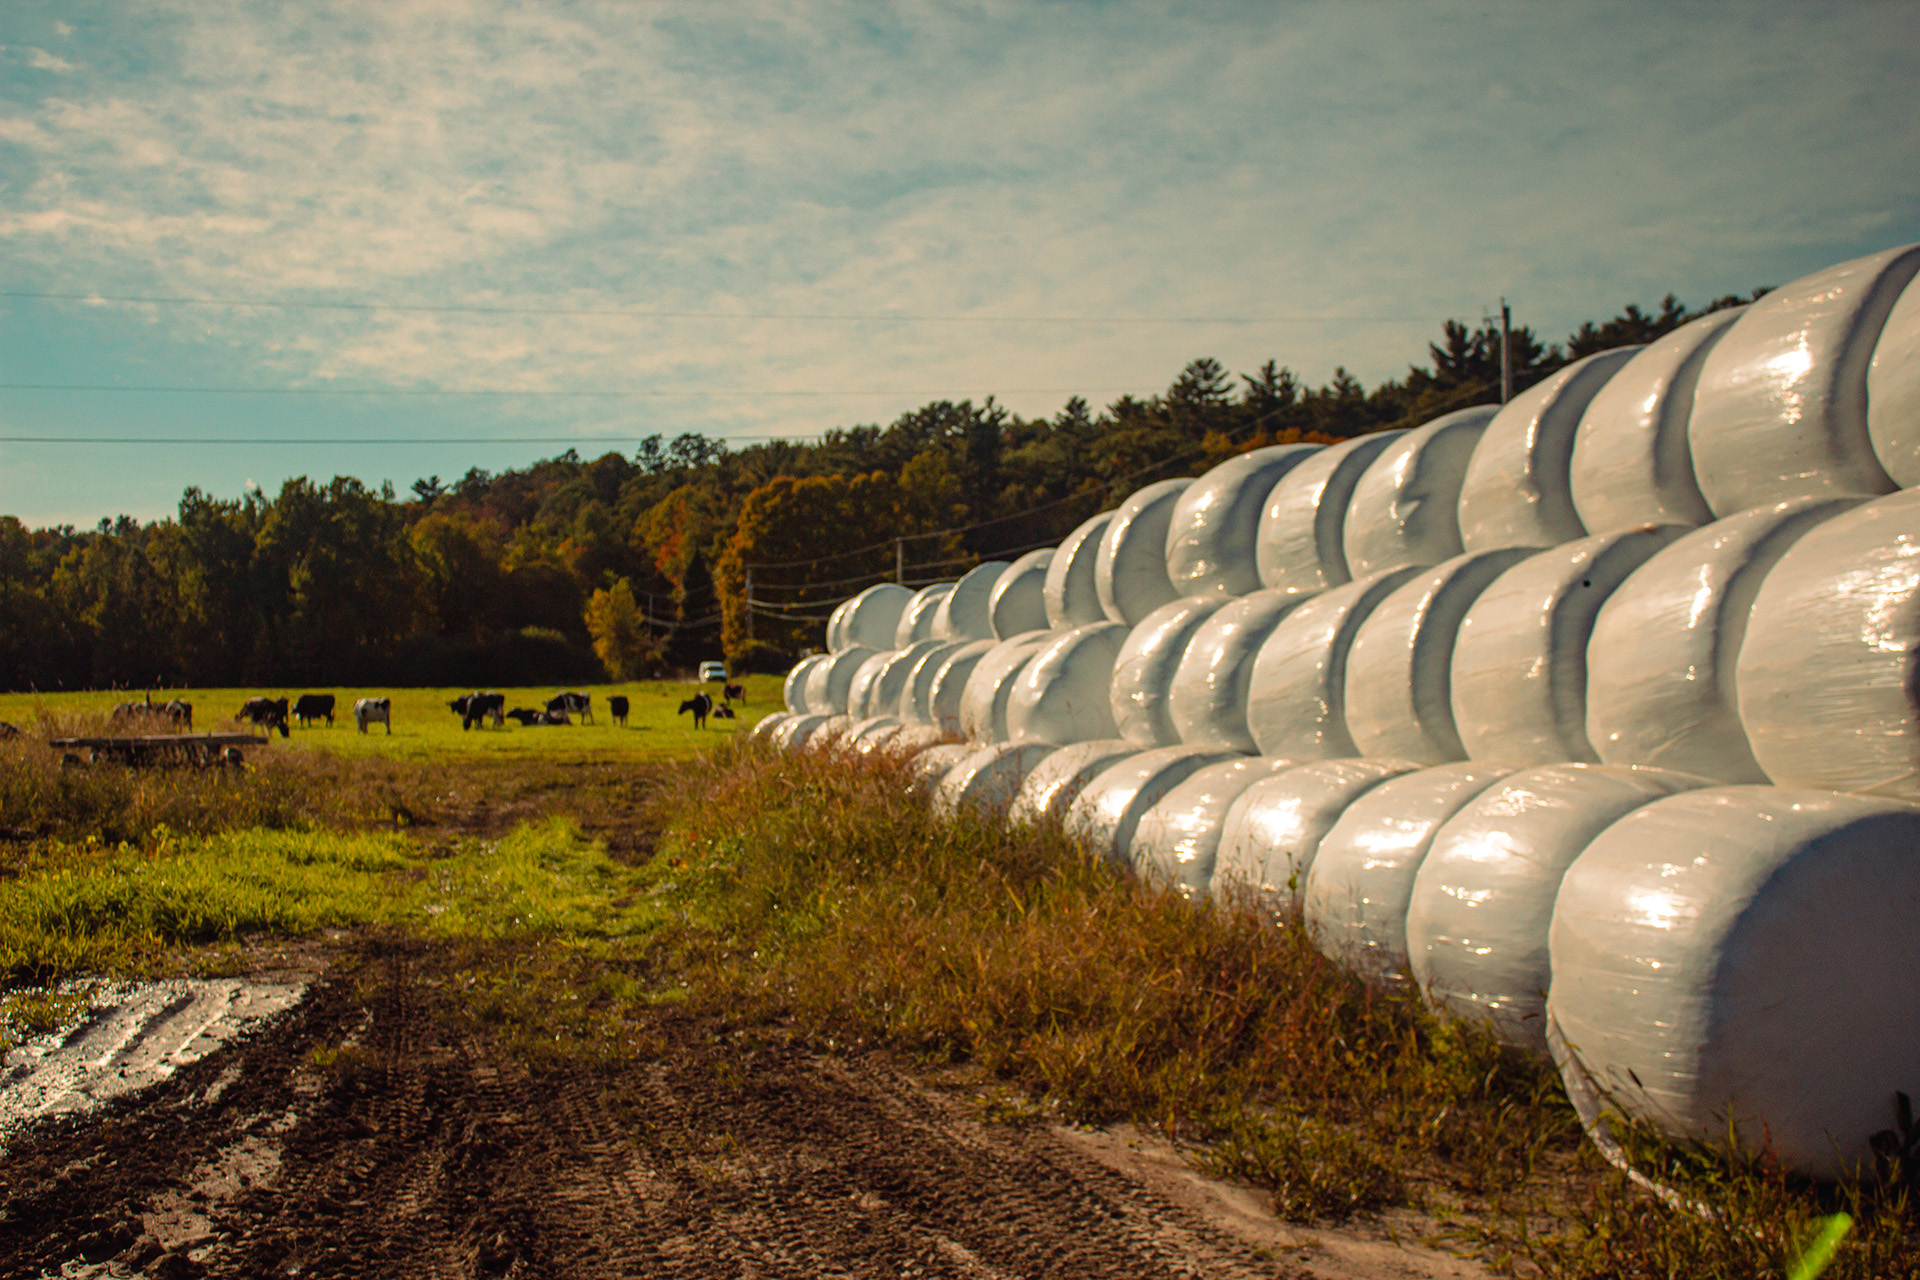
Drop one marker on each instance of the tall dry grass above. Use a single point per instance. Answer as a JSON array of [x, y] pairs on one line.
[[45, 799], [816, 888]]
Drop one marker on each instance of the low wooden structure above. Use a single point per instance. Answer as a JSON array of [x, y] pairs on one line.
[[162, 748]]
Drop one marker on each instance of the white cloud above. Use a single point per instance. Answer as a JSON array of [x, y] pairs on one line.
[[1312, 159]]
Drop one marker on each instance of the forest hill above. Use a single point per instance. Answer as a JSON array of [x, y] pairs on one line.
[[571, 569]]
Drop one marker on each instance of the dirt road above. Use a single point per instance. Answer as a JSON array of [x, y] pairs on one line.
[[369, 1135]]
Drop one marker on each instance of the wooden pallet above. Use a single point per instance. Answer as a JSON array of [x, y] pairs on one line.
[[142, 749]]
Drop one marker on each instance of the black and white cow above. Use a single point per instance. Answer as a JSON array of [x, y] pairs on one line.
[[174, 714], [573, 704], [313, 706], [472, 708], [269, 712], [617, 707], [701, 705], [367, 710]]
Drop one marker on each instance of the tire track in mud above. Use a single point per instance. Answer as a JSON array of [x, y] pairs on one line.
[[406, 1147]]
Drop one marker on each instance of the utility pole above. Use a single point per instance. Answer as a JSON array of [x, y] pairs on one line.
[[749, 602], [1506, 352], [900, 560]]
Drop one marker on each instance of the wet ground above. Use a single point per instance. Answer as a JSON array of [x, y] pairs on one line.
[[367, 1133]]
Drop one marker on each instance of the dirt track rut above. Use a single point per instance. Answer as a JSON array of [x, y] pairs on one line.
[[417, 1152]]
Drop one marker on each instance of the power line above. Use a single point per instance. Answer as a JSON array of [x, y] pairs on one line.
[[505, 393], [645, 313]]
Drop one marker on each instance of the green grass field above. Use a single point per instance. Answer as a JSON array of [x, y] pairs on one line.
[[423, 728]]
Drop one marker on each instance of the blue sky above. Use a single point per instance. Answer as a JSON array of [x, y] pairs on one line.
[[1351, 172]]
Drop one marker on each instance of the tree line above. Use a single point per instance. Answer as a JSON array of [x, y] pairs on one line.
[[631, 565]]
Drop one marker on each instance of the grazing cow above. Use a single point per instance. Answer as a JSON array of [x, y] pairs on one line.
[[617, 708], [573, 704], [701, 705], [176, 713], [732, 691], [472, 708], [368, 710], [270, 712], [724, 712], [311, 707]]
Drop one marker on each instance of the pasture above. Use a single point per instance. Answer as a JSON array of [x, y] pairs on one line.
[[423, 728]]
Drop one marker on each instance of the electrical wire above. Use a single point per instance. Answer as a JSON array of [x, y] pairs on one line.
[[641, 313]]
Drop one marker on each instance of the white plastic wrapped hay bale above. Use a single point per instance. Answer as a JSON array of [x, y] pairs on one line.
[[1745, 955], [966, 612], [1661, 663], [1177, 839], [1827, 673], [829, 683], [1893, 391], [1483, 897], [913, 739], [1399, 690], [1302, 536], [865, 677], [1070, 593], [916, 697], [1061, 695], [1057, 780], [1130, 572], [1517, 492], [873, 616], [917, 619], [983, 703], [837, 627], [763, 728], [1208, 697], [1631, 464], [1296, 704], [1272, 832], [949, 683], [870, 734], [1361, 878], [885, 693], [1018, 602], [1781, 408], [1142, 688], [927, 769], [1406, 507], [987, 780], [793, 690], [1211, 540], [795, 732], [1520, 661], [828, 737], [1103, 816]]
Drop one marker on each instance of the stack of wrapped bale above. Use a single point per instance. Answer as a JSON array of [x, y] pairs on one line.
[[1595, 714]]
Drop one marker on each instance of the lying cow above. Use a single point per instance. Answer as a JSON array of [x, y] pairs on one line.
[[368, 710], [529, 716], [701, 705], [617, 708], [732, 692], [724, 712], [268, 712], [472, 708], [313, 706], [573, 704], [175, 714]]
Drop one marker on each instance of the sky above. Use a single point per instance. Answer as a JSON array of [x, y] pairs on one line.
[[477, 232]]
